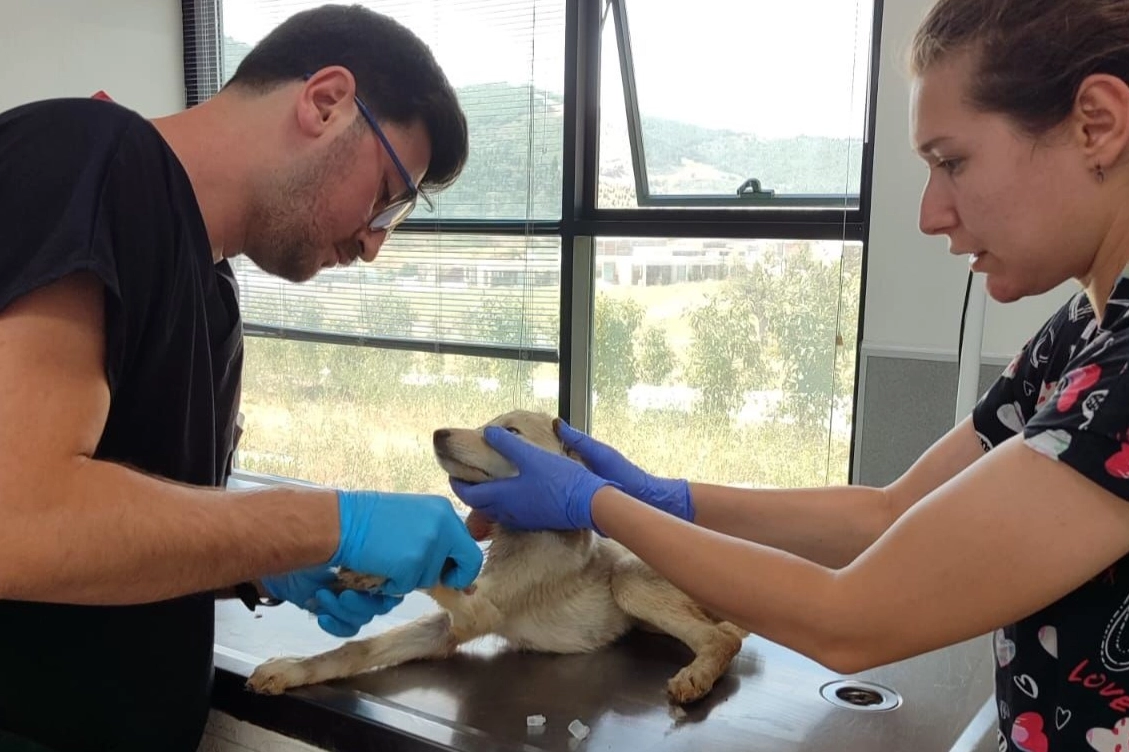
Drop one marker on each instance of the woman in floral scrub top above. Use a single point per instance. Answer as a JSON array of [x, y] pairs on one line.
[[1014, 523], [1063, 672], [1034, 106]]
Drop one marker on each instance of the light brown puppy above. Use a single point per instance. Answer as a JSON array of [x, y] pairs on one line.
[[557, 592]]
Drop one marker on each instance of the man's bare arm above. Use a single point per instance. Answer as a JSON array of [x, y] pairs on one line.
[[78, 530], [833, 525]]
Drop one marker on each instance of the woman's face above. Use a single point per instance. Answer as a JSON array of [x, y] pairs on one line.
[[1023, 209]]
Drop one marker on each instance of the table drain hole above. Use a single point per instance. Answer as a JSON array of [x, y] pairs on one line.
[[858, 695]]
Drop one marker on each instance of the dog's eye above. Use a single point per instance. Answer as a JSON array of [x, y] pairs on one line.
[[513, 430]]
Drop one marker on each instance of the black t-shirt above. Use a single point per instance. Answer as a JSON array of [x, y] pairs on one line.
[[88, 185], [1062, 674]]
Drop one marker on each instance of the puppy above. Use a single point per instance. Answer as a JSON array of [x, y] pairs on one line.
[[556, 592]]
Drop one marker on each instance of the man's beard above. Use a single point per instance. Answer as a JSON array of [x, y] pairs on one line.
[[284, 227]]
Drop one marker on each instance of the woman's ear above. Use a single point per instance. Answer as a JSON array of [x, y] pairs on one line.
[[1101, 111]]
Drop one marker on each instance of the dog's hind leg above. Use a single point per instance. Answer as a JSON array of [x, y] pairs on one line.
[[432, 636], [646, 596]]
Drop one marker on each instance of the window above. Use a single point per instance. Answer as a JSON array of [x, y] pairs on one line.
[[742, 351], [437, 292], [660, 235], [726, 315], [765, 108], [362, 417], [512, 96], [348, 374]]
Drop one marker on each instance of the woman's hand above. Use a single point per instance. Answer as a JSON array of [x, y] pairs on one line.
[[550, 492], [667, 494]]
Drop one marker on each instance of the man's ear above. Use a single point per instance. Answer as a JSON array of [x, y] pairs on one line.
[[326, 97]]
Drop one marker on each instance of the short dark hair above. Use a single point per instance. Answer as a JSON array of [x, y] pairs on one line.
[[1030, 56], [397, 75]]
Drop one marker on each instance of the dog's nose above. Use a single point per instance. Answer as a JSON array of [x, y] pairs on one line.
[[440, 436]]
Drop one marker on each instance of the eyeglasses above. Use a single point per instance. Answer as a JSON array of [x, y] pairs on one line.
[[397, 211], [387, 217]]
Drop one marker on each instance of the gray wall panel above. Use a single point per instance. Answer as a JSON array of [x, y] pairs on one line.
[[907, 404]]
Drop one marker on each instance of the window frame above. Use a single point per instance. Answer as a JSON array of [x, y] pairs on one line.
[[340, 722], [582, 220], [758, 198]]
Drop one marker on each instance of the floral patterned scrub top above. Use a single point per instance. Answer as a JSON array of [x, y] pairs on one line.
[[1062, 674]]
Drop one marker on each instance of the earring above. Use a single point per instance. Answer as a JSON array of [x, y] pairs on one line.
[[1099, 173]]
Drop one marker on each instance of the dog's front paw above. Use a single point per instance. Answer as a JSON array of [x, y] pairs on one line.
[[278, 675], [688, 686], [349, 580]]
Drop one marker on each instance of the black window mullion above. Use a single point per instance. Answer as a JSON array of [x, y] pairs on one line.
[[781, 225], [866, 181], [579, 176], [631, 102], [543, 228], [437, 347]]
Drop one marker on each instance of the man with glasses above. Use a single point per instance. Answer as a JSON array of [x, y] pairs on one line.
[[120, 376]]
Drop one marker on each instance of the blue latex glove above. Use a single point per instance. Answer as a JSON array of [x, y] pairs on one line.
[[550, 492], [340, 615], [414, 540], [667, 494]]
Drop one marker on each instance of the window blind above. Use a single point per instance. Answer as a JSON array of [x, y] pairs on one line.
[[491, 291], [505, 59]]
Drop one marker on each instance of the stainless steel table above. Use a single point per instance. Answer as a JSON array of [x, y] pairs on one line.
[[771, 701]]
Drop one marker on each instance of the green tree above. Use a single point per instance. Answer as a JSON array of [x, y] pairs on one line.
[[791, 308], [727, 354], [657, 359], [615, 368], [499, 321], [847, 358], [800, 301]]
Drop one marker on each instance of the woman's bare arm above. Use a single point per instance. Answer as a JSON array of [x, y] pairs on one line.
[[832, 525], [1004, 538]]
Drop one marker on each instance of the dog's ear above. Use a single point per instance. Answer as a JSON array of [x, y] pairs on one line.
[[571, 454]]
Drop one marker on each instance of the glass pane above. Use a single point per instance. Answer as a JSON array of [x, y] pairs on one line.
[[358, 417], [771, 91], [505, 60], [742, 350], [481, 289]]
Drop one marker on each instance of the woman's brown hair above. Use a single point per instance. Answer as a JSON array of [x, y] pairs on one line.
[[1030, 56]]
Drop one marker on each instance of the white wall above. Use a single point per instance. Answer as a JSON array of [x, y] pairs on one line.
[[914, 287], [130, 48]]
